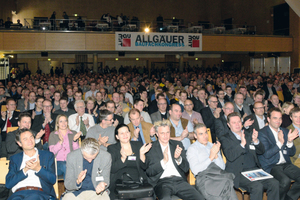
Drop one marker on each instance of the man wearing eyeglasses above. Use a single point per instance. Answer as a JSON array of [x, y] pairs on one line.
[[258, 119], [240, 106], [45, 121], [211, 113], [221, 127], [162, 113], [104, 132], [188, 113]]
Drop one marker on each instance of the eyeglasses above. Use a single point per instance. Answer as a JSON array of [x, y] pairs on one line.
[[109, 120], [188, 104], [47, 106], [214, 101], [258, 108]]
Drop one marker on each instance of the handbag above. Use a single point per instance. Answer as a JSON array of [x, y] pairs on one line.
[[133, 189]]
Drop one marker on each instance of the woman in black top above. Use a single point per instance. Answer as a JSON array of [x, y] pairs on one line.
[[125, 155]]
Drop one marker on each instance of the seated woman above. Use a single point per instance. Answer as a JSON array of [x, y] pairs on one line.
[[62, 141], [285, 110], [91, 109], [126, 155]]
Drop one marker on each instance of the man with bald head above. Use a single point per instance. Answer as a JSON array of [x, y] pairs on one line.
[[188, 113]]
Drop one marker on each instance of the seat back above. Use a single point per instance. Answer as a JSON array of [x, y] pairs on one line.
[[55, 186], [11, 129], [4, 164]]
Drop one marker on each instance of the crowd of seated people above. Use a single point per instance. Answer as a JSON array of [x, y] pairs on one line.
[[151, 128]]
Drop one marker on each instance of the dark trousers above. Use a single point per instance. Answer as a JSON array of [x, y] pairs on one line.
[[257, 188], [284, 173], [167, 187]]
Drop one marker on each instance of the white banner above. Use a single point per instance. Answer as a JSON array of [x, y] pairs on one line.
[[140, 41]]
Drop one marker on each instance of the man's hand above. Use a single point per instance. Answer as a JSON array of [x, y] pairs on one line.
[[123, 154], [214, 151], [33, 164], [77, 136], [177, 152], [33, 114], [61, 138], [9, 114], [86, 122], [100, 187], [77, 120], [293, 135], [3, 115], [81, 176], [136, 133], [152, 131], [184, 133], [102, 140], [254, 136], [245, 115], [166, 157], [195, 121], [217, 112], [40, 134], [145, 148], [243, 140], [281, 137], [116, 123], [248, 122]]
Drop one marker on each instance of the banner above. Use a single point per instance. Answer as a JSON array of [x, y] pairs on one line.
[[140, 41]]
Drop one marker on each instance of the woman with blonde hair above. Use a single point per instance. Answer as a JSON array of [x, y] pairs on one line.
[[285, 110], [62, 141]]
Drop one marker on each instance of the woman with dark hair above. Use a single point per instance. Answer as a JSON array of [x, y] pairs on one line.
[[126, 155]]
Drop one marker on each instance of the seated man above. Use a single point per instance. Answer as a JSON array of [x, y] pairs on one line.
[[279, 147], [240, 150], [191, 115], [88, 170], [63, 104], [32, 172], [295, 116], [140, 130], [139, 104], [208, 166], [162, 111], [104, 132], [220, 123], [166, 165]]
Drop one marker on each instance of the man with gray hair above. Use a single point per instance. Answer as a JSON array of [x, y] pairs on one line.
[[208, 167], [80, 121], [88, 172], [166, 165], [104, 132]]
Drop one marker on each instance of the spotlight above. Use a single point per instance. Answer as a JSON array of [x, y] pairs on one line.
[[117, 58], [147, 30], [137, 59]]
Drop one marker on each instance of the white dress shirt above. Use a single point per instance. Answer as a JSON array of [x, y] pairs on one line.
[[72, 121], [169, 167]]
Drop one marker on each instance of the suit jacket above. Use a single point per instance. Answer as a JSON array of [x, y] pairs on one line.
[[118, 167], [255, 123], [221, 127], [38, 121], [153, 167], [296, 144], [75, 166], [13, 120], [271, 156], [46, 174], [198, 105], [12, 147], [287, 94], [145, 128], [119, 118], [234, 153], [209, 119], [21, 105], [245, 108], [265, 88], [157, 116]]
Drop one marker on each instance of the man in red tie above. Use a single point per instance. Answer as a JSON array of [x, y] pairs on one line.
[[45, 121]]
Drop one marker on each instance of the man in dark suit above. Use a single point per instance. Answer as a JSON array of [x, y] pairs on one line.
[[111, 106], [77, 96], [210, 113], [166, 165], [269, 89], [287, 94], [240, 150], [162, 112], [279, 147], [221, 100], [220, 123], [63, 104], [240, 106], [258, 119], [45, 121], [23, 104], [198, 105], [32, 172]]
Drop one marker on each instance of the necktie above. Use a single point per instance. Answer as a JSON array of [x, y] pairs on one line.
[[8, 123], [139, 138], [47, 133], [82, 127]]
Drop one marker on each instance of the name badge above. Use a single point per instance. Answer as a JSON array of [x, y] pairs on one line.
[[99, 178], [132, 158], [284, 152], [252, 147]]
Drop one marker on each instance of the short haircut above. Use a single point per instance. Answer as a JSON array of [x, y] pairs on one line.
[[257, 103], [172, 105], [242, 87], [211, 96], [20, 131], [258, 93], [120, 126], [183, 92], [90, 99], [56, 92], [136, 101], [228, 86], [90, 146], [273, 110], [10, 99], [200, 125], [133, 111], [110, 101], [77, 102], [103, 114], [227, 103], [294, 110], [234, 114], [64, 98], [163, 123], [238, 94], [39, 97], [160, 95], [22, 115]]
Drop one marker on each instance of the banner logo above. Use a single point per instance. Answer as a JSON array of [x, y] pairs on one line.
[[194, 41], [124, 40]]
